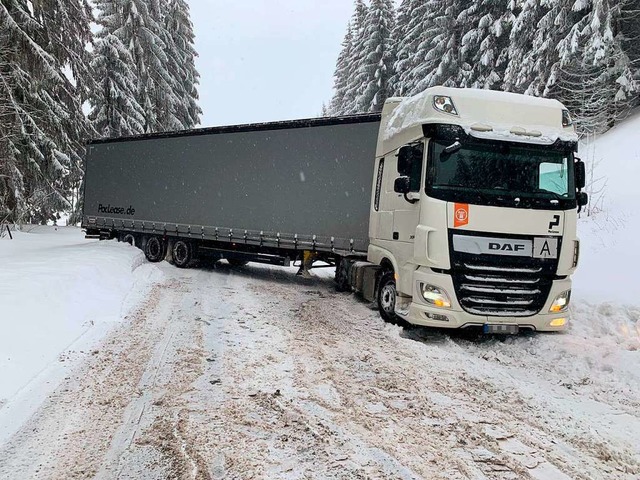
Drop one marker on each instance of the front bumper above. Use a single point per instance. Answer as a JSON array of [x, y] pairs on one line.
[[417, 312]]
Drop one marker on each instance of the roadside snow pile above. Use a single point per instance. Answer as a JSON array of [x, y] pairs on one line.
[[59, 295], [608, 280]]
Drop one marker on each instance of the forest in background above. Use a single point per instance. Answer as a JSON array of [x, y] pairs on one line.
[[585, 53], [67, 77], [63, 82]]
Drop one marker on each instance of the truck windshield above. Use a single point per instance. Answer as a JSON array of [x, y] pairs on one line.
[[492, 173]]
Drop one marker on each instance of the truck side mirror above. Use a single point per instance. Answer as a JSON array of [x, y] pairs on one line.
[[405, 159], [402, 185], [583, 199], [581, 175]]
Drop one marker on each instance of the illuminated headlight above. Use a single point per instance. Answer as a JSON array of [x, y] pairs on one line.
[[444, 104], [561, 303], [567, 121], [435, 296]]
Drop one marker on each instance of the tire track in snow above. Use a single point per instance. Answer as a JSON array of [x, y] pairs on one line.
[[256, 373]]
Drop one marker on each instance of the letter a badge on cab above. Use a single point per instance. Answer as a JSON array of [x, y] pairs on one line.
[[460, 215]]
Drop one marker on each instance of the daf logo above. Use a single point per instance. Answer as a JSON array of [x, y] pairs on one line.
[[507, 247]]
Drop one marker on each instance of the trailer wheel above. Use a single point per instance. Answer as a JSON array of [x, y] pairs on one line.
[[387, 297], [182, 253], [154, 249]]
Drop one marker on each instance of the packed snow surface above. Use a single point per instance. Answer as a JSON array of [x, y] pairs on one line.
[[59, 295], [147, 371]]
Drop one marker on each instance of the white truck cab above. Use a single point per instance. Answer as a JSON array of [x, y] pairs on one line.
[[474, 210]]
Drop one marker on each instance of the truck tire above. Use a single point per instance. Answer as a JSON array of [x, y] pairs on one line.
[[387, 297], [182, 253], [154, 249]]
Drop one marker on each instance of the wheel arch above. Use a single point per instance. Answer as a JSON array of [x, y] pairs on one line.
[[383, 257]]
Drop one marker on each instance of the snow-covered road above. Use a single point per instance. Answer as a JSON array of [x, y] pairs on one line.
[[256, 373]]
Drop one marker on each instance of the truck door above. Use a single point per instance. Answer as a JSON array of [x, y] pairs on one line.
[[396, 215], [406, 215]]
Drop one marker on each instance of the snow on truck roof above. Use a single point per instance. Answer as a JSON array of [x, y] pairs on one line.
[[482, 113]]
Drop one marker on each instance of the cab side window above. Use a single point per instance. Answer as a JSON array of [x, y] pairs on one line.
[[416, 167]]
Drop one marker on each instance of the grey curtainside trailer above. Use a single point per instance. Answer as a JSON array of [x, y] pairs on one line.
[[266, 192]]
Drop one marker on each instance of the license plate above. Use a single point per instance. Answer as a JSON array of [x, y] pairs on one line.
[[501, 329]]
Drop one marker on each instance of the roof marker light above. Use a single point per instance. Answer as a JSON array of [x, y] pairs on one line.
[[444, 104], [481, 127]]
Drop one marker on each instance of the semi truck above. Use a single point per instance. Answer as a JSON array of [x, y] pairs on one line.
[[455, 208]]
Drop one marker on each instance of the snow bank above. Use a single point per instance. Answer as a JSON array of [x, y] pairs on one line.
[[59, 295], [610, 259], [606, 292]]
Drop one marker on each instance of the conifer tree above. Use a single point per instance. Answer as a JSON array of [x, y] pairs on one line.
[[182, 67], [404, 45], [444, 57], [115, 111], [428, 28], [356, 60], [341, 76], [520, 70], [42, 126], [378, 57], [485, 44]]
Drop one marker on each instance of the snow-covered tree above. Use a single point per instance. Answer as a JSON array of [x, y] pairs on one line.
[[158, 58], [356, 59], [593, 75], [42, 85], [341, 76], [115, 111], [404, 45], [520, 69], [446, 24], [428, 26], [485, 44], [182, 66], [630, 36], [377, 66]]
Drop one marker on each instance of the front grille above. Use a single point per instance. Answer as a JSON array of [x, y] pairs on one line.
[[500, 285]]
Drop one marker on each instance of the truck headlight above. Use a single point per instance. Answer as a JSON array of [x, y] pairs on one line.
[[561, 303], [444, 104], [435, 296]]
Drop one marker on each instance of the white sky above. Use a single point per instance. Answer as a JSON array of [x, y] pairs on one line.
[[266, 60]]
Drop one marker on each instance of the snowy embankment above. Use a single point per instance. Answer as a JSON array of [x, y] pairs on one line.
[[607, 284], [60, 294]]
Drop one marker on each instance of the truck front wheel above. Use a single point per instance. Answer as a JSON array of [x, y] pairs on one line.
[[387, 297], [182, 253], [154, 249]]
